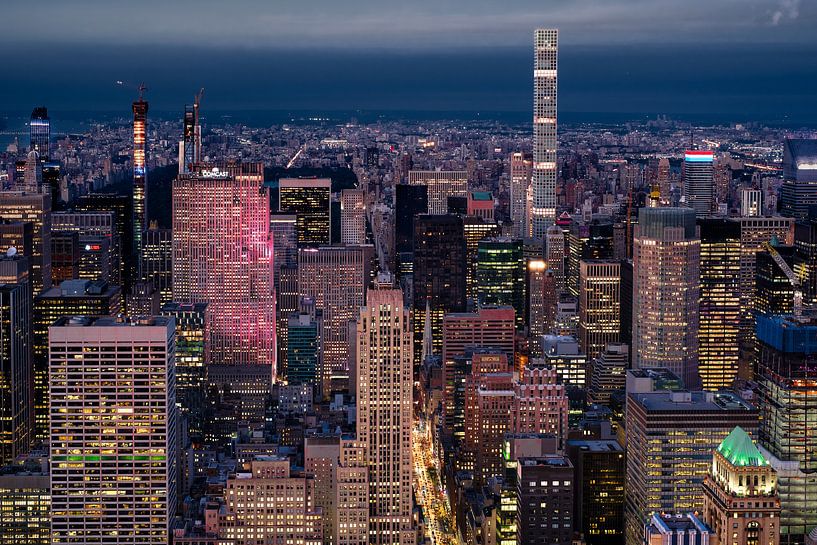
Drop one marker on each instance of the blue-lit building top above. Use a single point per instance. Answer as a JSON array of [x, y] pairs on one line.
[[787, 334]]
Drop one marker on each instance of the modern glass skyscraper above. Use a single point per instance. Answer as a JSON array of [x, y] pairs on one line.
[[546, 52], [222, 255], [39, 127], [384, 414], [699, 184], [140, 175], [311, 201], [501, 275], [799, 190], [16, 375], [666, 290], [113, 476]]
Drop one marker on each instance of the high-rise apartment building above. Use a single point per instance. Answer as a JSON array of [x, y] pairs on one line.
[[384, 414], [335, 278], [521, 173], [500, 277], [699, 184], [231, 267], [666, 290], [113, 478], [786, 350], [140, 174], [670, 439], [310, 199], [157, 260], [17, 384], [34, 207], [741, 486], [353, 216], [39, 127], [545, 66], [599, 305], [719, 314], [441, 185], [799, 191]]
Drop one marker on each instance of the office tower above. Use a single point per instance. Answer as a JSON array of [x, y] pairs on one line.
[[230, 268], [439, 274], [157, 260], [138, 460], [751, 202], [599, 490], [555, 255], [545, 491], [409, 201], [587, 240], [670, 439], [546, 53], [99, 242], [17, 385], [774, 291], [303, 351], [664, 180], [674, 529], [271, 505], [39, 127], [566, 322], [719, 314], [121, 206], [562, 353], [352, 498], [353, 216], [475, 229], [521, 173], [805, 258], [384, 414], [140, 174], [698, 181], [489, 328], [335, 278], [609, 373], [321, 458], [192, 358], [666, 288], [65, 256], [755, 233], [785, 375], [77, 297], [34, 207], [540, 403], [18, 235], [541, 304], [599, 305], [742, 486], [501, 275], [799, 190], [26, 496], [285, 275], [440, 185], [311, 201]]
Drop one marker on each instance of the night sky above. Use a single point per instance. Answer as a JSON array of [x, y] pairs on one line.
[[728, 59]]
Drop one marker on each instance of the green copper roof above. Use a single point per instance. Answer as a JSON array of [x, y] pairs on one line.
[[740, 450], [482, 196]]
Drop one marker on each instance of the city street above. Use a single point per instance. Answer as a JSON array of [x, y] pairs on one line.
[[428, 490]]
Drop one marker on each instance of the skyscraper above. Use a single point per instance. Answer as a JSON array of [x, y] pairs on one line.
[[699, 185], [34, 207], [555, 256], [441, 184], [39, 127], [384, 414], [545, 488], [157, 260], [501, 275], [140, 175], [335, 278], [310, 199], [113, 478], [231, 267], [666, 270], [409, 201], [599, 305], [718, 350], [799, 190], [17, 382], [521, 173], [353, 216], [92, 227], [545, 66]]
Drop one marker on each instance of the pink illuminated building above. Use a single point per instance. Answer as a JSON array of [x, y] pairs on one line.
[[222, 255], [540, 403]]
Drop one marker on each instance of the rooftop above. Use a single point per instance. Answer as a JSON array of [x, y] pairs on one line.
[[686, 402], [740, 450]]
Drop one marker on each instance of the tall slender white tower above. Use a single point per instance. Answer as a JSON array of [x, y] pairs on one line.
[[545, 60], [384, 402]]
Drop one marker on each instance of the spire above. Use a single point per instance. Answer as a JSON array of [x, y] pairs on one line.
[[428, 347], [739, 449]]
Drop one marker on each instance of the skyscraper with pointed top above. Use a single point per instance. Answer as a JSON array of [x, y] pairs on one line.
[[546, 51]]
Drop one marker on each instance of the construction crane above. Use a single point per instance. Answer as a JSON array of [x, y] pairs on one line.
[[141, 88], [796, 284]]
